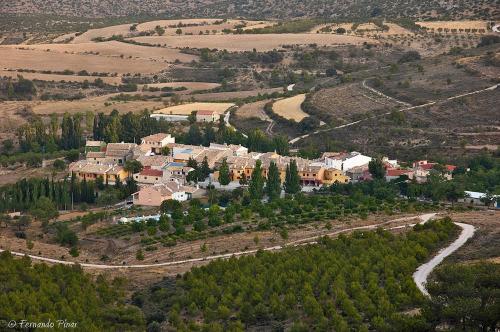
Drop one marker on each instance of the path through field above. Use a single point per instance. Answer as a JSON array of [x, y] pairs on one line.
[[423, 271], [296, 139], [312, 240]]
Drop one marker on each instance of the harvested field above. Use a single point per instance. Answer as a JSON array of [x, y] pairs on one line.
[[254, 110], [367, 27], [289, 108], [115, 49], [186, 109], [231, 95], [63, 38], [40, 60], [92, 104], [454, 25], [106, 32], [262, 42], [59, 78], [394, 29], [346, 26], [193, 86], [203, 25], [347, 101]]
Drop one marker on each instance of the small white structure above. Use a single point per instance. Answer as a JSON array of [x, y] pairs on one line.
[[125, 220], [169, 117], [206, 116], [476, 198], [345, 161]]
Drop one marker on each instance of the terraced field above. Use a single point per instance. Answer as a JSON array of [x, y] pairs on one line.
[[348, 102]]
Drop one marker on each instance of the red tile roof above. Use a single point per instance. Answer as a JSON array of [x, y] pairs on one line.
[[151, 172], [397, 172], [203, 112], [450, 168]]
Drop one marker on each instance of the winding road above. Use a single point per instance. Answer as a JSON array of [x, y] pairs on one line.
[[420, 276], [296, 139], [424, 270], [311, 240]]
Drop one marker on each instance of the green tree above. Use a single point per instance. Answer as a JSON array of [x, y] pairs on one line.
[[139, 255], [376, 168], [132, 167], [292, 179], [44, 209], [165, 151], [273, 183], [465, 296], [256, 186], [204, 169], [224, 176]]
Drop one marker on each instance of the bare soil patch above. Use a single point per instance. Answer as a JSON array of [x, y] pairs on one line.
[[346, 102], [261, 42], [289, 108], [203, 25], [254, 110], [193, 86], [186, 109], [106, 32], [229, 95], [41, 60], [59, 78], [96, 104], [454, 25], [116, 49]]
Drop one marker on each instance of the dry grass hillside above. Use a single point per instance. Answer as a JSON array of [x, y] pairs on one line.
[[257, 8]]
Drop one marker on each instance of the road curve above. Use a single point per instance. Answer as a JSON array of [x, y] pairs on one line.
[[311, 240], [420, 276]]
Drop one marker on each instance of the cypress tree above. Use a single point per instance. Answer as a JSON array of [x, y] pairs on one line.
[[256, 187], [224, 177], [273, 183], [292, 179]]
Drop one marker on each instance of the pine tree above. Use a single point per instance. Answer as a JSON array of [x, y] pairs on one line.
[[292, 179], [273, 183], [204, 170], [256, 187], [224, 177]]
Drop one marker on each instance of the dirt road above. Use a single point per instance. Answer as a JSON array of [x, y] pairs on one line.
[[423, 271], [424, 218], [296, 139]]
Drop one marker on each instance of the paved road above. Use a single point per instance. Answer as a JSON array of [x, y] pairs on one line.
[[423, 271], [310, 240]]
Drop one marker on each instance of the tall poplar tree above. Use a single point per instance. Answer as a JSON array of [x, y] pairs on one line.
[[292, 179], [273, 183], [224, 177], [256, 186]]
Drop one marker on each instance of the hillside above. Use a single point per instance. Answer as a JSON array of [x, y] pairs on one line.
[[484, 9]]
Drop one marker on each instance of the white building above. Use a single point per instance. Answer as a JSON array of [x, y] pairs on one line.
[[345, 161]]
